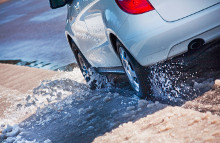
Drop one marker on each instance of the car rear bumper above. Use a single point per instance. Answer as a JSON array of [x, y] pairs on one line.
[[151, 39]]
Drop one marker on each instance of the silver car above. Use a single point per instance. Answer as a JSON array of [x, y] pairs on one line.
[[107, 35]]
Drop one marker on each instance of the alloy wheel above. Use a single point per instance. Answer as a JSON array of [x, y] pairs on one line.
[[131, 74]]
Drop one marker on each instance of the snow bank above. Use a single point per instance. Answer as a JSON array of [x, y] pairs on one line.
[[21, 106], [65, 106], [209, 101], [64, 109], [172, 124]]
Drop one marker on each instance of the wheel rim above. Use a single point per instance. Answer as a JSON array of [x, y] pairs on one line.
[[84, 68], [131, 74]]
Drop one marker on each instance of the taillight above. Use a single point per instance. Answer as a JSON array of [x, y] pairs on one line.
[[135, 6]]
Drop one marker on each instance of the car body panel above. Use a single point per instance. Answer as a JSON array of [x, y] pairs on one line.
[[148, 37], [156, 37], [172, 10], [90, 33]]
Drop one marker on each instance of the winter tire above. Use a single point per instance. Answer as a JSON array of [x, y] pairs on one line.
[[137, 75]]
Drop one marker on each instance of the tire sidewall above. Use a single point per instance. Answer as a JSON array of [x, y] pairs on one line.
[[141, 73]]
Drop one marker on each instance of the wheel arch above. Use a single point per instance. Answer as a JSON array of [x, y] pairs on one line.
[[71, 42], [113, 40]]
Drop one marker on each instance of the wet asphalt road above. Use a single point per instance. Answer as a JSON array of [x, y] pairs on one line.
[[30, 31]]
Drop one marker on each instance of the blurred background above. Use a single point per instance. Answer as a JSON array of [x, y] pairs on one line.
[[32, 34]]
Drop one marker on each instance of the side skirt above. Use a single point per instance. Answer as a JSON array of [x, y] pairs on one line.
[[113, 70]]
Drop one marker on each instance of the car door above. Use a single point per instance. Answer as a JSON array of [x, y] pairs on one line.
[[79, 28], [77, 24], [90, 34]]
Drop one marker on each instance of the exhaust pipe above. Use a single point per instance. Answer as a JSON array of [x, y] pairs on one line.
[[196, 44]]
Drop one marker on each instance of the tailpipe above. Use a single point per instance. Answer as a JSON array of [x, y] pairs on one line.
[[196, 44]]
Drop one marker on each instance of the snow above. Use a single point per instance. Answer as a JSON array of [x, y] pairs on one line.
[[64, 109], [217, 82], [66, 103], [47, 141], [106, 99], [13, 132], [10, 133], [172, 124], [64, 106], [208, 102], [206, 85]]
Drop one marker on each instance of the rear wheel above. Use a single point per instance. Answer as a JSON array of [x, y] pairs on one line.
[[137, 75]]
